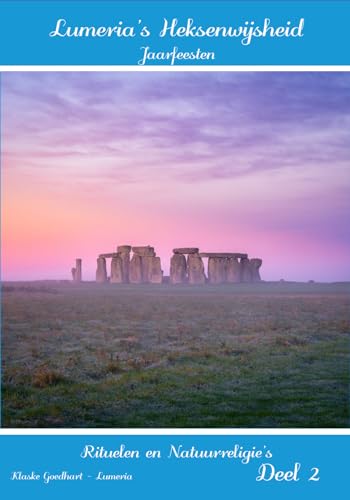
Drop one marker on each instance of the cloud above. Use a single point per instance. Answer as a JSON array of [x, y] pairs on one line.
[[269, 150], [202, 126]]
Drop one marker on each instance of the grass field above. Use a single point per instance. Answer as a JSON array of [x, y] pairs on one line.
[[263, 355]]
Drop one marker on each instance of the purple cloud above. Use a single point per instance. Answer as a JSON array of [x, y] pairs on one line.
[[272, 149]]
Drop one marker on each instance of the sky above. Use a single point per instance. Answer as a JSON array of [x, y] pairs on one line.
[[225, 161]]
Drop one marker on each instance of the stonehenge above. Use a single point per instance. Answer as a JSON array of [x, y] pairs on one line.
[[140, 264], [190, 270], [223, 267], [143, 266]]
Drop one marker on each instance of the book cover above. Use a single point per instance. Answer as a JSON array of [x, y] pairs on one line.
[[175, 252]]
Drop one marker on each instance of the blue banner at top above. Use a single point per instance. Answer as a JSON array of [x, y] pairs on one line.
[[174, 33]]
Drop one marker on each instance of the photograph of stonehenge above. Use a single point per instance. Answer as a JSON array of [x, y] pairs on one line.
[[143, 266], [175, 249]]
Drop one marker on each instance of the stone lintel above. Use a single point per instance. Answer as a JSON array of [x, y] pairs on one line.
[[124, 248], [186, 250], [142, 248], [223, 255], [146, 251]]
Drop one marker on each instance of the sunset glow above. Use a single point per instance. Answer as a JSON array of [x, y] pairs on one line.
[[245, 162]]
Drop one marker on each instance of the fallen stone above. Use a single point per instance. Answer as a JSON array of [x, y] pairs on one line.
[[178, 269], [195, 269], [185, 250]]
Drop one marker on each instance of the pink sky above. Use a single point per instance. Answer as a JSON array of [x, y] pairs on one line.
[[255, 163]]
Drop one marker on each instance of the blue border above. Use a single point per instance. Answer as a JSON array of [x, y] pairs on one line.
[[25, 38], [317, 467]]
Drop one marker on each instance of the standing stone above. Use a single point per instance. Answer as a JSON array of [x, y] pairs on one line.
[[146, 265], [255, 265], [77, 277], [135, 269], [195, 268], [124, 252], [233, 270], [117, 269], [246, 271], [101, 272], [178, 269], [216, 270], [156, 275], [151, 269], [73, 271]]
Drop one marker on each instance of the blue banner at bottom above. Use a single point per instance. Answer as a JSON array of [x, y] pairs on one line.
[[169, 467]]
